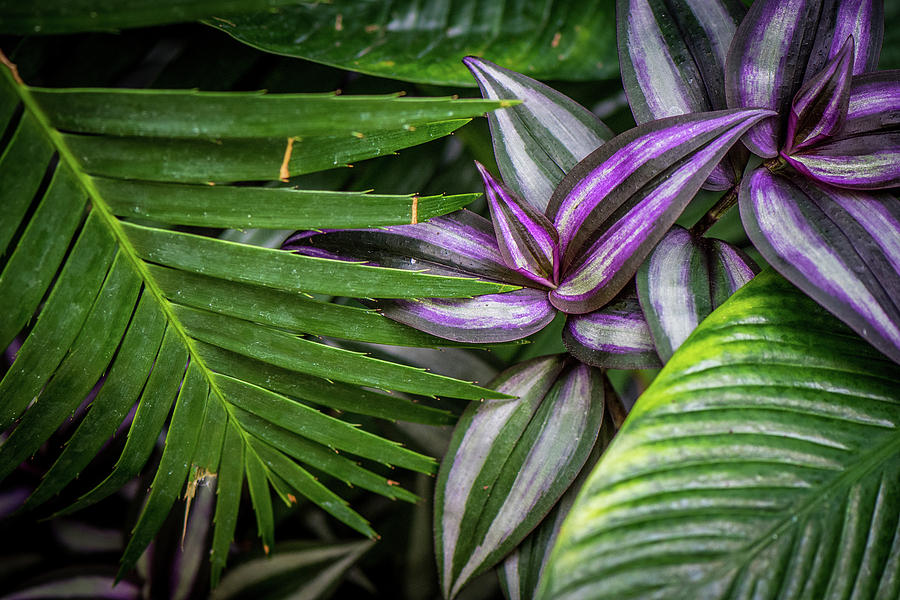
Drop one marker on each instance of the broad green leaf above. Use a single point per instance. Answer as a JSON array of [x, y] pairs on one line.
[[297, 570], [425, 42], [66, 16], [258, 482], [763, 461]]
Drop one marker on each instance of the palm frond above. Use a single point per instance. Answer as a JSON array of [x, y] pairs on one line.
[[213, 332]]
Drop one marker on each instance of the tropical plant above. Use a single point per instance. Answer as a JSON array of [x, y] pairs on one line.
[[146, 302]]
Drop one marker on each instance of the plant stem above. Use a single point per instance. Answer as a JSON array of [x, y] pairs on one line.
[[717, 211]]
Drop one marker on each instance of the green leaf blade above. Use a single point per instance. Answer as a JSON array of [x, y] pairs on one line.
[[760, 459], [216, 115], [424, 42], [173, 466], [282, 270]]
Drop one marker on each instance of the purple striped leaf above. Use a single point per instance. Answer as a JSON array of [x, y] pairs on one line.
[[462, 243], [819, 109], [683, 280], [866, 153], [781, 44], [520, 573], [841, 247], [527, 239], [644, 179], [614, 337], [674, 289], [869, 162], [874, 103], [729, 269], [672, 56], [538, 141], [864, 20], [509, 462], [480, 320]]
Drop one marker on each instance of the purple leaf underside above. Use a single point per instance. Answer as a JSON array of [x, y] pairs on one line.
[[841, 247]]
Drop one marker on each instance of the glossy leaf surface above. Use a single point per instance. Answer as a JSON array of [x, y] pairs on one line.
[[841, 247], [628, 193], [683, 280], [616, 336], [510, 461], [425, 42], [672, 56], [771, 468], [538, 141]]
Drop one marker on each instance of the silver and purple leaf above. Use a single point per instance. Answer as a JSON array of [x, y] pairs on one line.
[[527, 239], [510, 461], [480, 320], [462, 243], [674, 289], [781, 44], [841, 247], [874, 103], [538, 141], [614, 337], [648, 179], [672, 56], [864, 20], [819, 109], [866, 153], [521, 572], [729, 269]]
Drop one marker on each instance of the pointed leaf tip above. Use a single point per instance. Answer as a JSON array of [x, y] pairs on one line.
[[645, 177], [527, 239], [537, 141], [819, 109]]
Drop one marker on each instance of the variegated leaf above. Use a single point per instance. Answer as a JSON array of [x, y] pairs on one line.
[[683, 280], [480, 320], [628, 194], [527, 239], [819, 109], [782, 44], [672, 56], [841, 247], [616, 336], [520, 573], [509, 462], [538, 141]]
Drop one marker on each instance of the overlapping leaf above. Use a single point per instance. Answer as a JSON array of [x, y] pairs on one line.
[[538, 141], [672, 56], [770, 468], [510, 461], [211, 328], [683, 280], [618, 203]]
